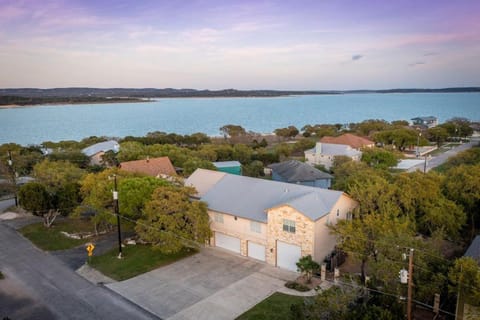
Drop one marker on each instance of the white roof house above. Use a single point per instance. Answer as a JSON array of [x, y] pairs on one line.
[[324, 153], [272, 221], [96, 150]]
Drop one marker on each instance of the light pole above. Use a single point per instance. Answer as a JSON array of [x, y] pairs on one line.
[[10, 164], [115, 206], [418, 144], [410, 285]]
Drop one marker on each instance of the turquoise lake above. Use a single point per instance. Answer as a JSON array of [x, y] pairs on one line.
[[33, 125]]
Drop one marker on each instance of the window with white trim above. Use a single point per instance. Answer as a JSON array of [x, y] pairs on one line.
[[289, 225], [255, 227], [218, 217]]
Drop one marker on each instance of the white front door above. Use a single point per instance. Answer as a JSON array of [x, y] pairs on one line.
[[227, 242], [288, 255], [256, 251]]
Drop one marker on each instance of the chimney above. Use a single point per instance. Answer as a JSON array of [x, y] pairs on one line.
[[148, 159], [318, 147]]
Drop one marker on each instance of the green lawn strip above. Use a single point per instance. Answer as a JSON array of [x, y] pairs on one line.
[[137, 259], [51, 239], [277, 306]]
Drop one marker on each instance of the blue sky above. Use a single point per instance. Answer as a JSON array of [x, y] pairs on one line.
[[213, 44]]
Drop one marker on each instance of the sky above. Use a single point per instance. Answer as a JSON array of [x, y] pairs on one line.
[[219, 44]]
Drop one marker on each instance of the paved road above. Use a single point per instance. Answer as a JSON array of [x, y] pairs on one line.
[[442, 158], [4, 204], [54, 285]]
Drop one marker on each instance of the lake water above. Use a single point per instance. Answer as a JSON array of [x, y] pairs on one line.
[[33, 125]]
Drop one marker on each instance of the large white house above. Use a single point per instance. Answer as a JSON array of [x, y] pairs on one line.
[[270, 221], [325, 153]]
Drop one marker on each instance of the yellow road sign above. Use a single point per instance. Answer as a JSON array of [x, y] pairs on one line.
[[89, 247]]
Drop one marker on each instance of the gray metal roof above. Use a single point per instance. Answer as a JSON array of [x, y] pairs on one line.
[[428, 118], [250, 197], [227, 164], [101, 147], [203, 180], [334, 150], [473, 250], [296, 171]]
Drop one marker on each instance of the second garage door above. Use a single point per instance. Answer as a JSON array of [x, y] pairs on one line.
[[288, 255], [227, 242], [256, 251]]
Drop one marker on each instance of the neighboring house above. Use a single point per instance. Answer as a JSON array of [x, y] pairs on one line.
[[270, 221], [233, 167], [325, 153], [464, 310], [297, 172], [426, 122], [96, 151], [155, 167], [349, 139]]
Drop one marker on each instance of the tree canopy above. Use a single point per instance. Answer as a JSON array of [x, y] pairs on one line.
[[171, 221]]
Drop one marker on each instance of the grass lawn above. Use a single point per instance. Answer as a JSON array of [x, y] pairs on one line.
[[137, 259], [51, 239], [277, 307]]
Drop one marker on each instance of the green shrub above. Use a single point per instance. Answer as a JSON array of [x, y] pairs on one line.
[[296, 286]]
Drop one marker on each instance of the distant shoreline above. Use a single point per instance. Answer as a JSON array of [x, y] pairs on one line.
[[15, 106], [199, 95]]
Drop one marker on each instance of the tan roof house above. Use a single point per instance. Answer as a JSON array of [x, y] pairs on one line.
[[271, 221], [351, 140], [155, 167]]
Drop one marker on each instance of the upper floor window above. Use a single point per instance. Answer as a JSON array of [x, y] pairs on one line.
[[218, 217], [255, 227], [289, 225]]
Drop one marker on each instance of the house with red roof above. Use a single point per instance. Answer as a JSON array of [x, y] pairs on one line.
[[155, 167]]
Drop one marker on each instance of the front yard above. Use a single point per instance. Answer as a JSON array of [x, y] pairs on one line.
[[277, 306], [137, 259], [51, 239]]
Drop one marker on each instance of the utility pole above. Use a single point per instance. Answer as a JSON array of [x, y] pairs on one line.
[[425, 165], [410, 285], [115, 205], [10, 164]]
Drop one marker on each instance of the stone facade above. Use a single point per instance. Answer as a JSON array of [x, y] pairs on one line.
[[303, 236]]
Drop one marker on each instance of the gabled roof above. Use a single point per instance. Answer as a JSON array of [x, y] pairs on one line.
[[227, 164], [202, 180], [250, 198], [473, 250], [154, 167], [429, 118], [110, 145], [331, 149], [296, 171], [348, 139]]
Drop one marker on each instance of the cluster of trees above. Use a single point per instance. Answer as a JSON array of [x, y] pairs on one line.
[[161, 210], [55, 190], [412, 210]]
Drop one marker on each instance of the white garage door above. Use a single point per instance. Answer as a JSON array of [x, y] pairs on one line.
[[288, 255], [256, 251], [227, 242]]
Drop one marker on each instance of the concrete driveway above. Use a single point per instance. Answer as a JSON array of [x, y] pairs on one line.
[[212, 284]]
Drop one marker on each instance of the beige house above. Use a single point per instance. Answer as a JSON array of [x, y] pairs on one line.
[[325, 153], [270, 221]]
